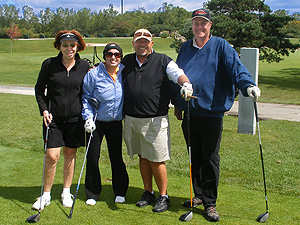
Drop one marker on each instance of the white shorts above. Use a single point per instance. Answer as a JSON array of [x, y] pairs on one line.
[[148, 137]]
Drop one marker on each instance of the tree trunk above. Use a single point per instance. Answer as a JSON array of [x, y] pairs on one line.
[[11, 45]]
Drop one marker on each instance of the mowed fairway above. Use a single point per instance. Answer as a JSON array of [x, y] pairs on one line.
[[241, 197]]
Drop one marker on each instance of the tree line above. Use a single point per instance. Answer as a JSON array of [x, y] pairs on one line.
[[107, 22], [243, 23]]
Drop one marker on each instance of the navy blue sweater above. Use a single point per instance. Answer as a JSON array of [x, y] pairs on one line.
[[213, 70]]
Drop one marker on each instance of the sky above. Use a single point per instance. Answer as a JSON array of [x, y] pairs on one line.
[[130, 5]]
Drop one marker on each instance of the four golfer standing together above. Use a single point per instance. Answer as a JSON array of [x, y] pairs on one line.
[[139, 88]]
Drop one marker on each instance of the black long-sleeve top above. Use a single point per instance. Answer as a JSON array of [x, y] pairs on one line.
[[64, 89]]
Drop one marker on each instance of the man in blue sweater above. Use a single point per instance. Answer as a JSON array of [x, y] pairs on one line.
[[214, 69]]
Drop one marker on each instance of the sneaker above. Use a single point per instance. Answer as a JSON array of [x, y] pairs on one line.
[[162, 204], [91, 202], [146, 199], [37, 204], [211, 214], [120, 199], [196, 202], [67, 200]]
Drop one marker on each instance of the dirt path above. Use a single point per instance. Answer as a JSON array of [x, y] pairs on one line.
[[266, 110]]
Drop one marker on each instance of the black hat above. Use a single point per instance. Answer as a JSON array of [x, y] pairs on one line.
[[110, 46], [68, 37], [201, 13]]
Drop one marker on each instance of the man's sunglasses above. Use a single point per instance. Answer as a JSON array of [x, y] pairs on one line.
[[72, 45], [116, 54], [145, 34]]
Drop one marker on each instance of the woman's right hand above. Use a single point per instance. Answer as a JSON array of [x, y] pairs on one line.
[[47, 117]]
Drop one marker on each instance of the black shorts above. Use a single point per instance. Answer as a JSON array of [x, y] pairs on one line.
[[65, 134]]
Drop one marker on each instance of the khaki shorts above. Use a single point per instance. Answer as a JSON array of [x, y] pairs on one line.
[[148, 137]]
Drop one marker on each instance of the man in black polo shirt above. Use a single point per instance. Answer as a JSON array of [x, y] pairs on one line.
[[146, 78]]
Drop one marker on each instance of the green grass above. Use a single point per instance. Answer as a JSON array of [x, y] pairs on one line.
[[241, 196], [279, 82]]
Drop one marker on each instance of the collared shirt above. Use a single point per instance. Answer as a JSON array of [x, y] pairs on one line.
[[195, 43], [113, 76]]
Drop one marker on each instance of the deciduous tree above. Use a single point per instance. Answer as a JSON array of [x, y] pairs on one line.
[[13, 32]]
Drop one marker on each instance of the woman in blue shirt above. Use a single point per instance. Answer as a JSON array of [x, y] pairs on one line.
[[105, 84]]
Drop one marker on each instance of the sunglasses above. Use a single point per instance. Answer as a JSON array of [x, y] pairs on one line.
[[110, 54], [145, 34], [72, 45]]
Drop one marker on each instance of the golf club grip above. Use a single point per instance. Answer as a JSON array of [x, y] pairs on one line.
[[255, 110]]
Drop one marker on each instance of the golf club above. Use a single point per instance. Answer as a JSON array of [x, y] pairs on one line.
[[94, 102], [189, 215], [35, 218], [264, 216]]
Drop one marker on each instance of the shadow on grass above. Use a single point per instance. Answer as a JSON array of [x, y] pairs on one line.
[[289, 79], [29, 194]]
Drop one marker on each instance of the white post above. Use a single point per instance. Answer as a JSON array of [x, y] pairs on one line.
[[246, 117]]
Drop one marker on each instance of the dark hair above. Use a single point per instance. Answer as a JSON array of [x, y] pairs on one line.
[[81, 44]]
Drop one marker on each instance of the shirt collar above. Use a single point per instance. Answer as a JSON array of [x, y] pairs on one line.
[[195, 43], [139, 63]]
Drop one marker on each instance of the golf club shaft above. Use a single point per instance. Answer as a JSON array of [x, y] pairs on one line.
[[261, 153], [43, 176], [189, 147], [45, 152], [78, 184]]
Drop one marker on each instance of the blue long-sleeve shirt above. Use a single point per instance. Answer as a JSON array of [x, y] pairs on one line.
[[99, 84], [213, 70]]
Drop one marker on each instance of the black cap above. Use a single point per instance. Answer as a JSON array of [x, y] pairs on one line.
[[110, 46], [68, 37], [201, 13]]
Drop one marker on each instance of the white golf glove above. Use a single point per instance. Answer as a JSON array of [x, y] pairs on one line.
[[89, 125], [253, 92], [186, 90]]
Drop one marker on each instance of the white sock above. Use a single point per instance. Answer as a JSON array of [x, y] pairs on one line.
[[66, 191], [47, 195], [165, 196]]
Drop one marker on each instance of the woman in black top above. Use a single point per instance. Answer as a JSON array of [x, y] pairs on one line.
[[58, 93]]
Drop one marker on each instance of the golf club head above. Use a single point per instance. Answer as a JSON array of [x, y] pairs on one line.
[[186, 217], [94, 102], [34, 218], [262, 217]]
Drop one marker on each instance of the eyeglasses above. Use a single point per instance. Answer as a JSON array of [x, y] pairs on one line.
[[116, 54], [72, 45], [146, 34]]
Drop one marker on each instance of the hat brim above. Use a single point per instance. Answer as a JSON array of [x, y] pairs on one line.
[[68, 39], [201, 17], [140, 37]]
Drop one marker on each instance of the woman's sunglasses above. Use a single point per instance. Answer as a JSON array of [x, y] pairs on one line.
[[116, 54], [72, 45]]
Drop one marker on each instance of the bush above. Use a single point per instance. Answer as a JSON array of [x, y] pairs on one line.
[[164, 34]]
